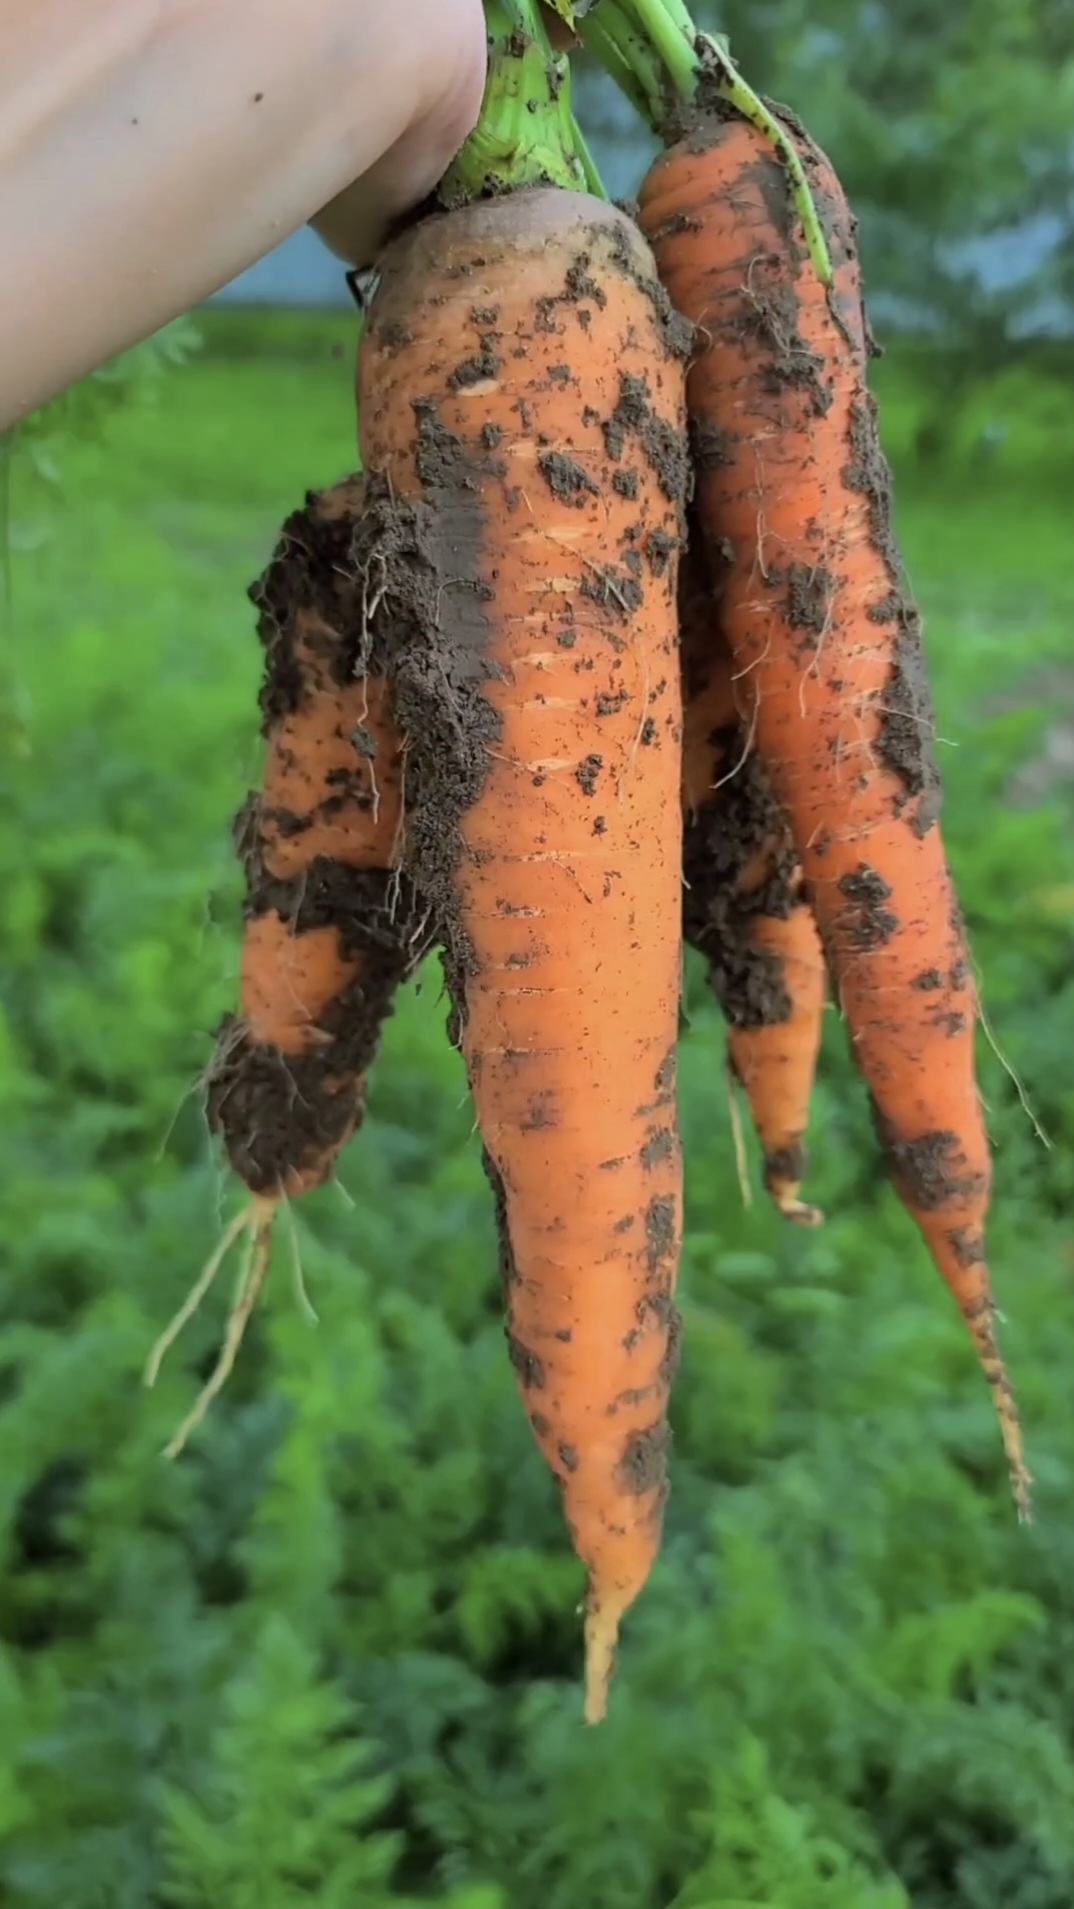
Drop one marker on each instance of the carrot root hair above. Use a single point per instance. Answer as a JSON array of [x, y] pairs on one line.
[[256, 1220]]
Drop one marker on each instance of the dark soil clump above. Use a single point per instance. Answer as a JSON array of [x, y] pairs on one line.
[[810, 594], [484, 364], [664, 448], [566, 478], [587, 773], [660, 1234], [721, 840], [422, 553], [785, 1165], [281, 1114], [931, 1172], [907, 725], [644, 1463], [311, 570], [712, 449], [866, 921], [528, 1367], [508, 1270], [907, 728]]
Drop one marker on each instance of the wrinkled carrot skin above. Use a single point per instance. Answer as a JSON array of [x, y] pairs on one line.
[[744, 907], [519, 400], [794, 497], [325, 941]]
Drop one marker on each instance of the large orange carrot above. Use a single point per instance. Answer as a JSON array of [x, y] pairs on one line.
[[331, 925], [795, 500], [521, 411], [743, 903]]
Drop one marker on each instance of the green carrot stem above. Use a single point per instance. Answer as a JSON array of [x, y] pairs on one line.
[[654, 42], [605, 43], [742, 97], [593, 180], [525, 135], [668, 29]]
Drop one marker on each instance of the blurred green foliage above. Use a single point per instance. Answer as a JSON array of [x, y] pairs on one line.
[[332, 1655]]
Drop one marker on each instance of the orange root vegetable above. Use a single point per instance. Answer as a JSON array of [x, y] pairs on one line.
[[744, 908], [521, 407], [332, 926], [794, 497]]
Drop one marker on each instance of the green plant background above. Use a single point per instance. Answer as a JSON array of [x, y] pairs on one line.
[[332, 1655]]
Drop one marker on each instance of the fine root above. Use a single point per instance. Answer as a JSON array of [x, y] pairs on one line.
[[256, 1221]]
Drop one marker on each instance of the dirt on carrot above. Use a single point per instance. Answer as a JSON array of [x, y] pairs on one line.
[[794, 496], [530, 643], [744, 905], [332, 923]]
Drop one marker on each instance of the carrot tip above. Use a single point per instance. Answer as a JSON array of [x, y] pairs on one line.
[[1020, 1476], [983, 1333], [601, 1636], [799, 1212]]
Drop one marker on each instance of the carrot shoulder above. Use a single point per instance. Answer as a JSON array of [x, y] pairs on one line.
[[522, 426], [795, 500]]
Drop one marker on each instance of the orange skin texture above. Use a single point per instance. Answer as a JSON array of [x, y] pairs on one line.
[[321, 797], [567, 889], [353, 822], [794, 500], [286, 981], [775, 1063]]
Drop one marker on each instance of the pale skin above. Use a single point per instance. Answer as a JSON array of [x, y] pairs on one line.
[[150, 150]]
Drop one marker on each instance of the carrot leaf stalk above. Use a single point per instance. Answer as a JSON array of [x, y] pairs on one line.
[[526, 133], [594, 184], [653, 51]]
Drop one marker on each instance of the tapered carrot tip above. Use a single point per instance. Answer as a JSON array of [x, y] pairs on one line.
[[800, 1212], [982, 1328], [601, 1637], [1021, 1476]]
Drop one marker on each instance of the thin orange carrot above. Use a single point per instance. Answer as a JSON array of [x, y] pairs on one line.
[[794, 497], [744, 907], [332, 926]]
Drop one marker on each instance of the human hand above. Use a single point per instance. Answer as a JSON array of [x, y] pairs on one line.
[[356, 222], [151, 153]]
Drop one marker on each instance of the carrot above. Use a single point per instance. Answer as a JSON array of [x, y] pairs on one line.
[[743, 903], [331, 926], [794, 497], [521, 407]]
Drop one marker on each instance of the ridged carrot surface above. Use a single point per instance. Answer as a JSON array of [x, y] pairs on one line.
[[522, 421], [794, 497]]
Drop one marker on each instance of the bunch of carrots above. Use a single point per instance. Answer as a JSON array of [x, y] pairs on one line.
[[609, 645]]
